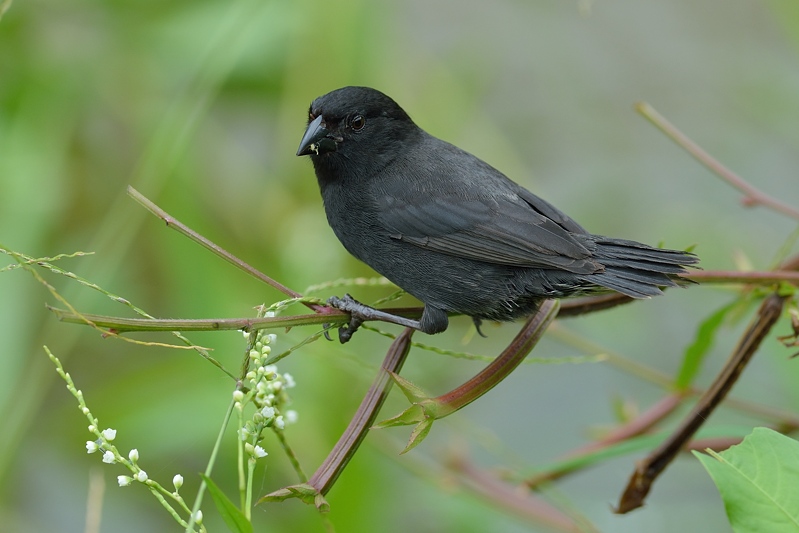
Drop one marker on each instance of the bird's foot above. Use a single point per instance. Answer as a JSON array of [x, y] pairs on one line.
[[358, 313]]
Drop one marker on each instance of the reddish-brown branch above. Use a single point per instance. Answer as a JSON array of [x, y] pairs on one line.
[[649, 469], [365, 416]]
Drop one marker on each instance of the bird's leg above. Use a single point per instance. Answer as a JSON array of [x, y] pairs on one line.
[[433, 320]]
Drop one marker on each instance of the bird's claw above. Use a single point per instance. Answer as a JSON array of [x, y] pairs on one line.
[[350, 305], [477, 324], [326, 331]]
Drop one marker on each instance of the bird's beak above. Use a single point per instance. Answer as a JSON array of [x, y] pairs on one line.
[[317, 139]]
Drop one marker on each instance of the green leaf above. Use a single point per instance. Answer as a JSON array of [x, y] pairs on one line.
[[696, 352], [232, 515], [305, 492], [321, 503], [759, 482], [412, 415], [418, 434], [414, 393]]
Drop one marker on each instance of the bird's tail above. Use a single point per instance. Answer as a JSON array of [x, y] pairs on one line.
[[638, 270]]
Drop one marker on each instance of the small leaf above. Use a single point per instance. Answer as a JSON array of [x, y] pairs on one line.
[[786, 289], [232, 515], [413, 392], [277, 496], [412, 415], [304, 492], [321, 503], [418, 434], [758, 480], [696, 352]]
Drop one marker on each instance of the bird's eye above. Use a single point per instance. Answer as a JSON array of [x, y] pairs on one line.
[[357, 123]]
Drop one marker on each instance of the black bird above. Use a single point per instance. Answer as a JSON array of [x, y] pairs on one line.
[[452, 230]]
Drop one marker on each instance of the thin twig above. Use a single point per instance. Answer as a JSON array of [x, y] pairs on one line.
[[216, 249], [754, 278], [569, 308], [752, 196]]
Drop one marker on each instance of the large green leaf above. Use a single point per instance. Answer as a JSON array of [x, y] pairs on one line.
[[759, 482]]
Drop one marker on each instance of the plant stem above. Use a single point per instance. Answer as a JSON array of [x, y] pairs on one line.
[[503, 365], [649, 469], [324, 477], [213, 247], [752, 196]]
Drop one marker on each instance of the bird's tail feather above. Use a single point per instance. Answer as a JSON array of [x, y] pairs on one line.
[[638, 270]]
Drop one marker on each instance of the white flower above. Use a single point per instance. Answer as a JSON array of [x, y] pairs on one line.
[[279, 423], [91, 446], [238, 395], [177, 481], [244, 434], [108, 457], [124, 481], [270, 314], [246, 334], [133, 455], [198, 517], [141, 475], [292, 416], [109, 434], [92, 428], [259, 452], [268, 412], [84, 410], [289, 379]]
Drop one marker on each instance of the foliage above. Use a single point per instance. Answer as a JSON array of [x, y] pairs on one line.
[[758, 481]]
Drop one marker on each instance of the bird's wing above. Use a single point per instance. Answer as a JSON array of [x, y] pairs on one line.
[[506, 228]]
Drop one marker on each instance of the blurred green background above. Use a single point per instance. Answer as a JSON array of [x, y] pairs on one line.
[[201, 105]]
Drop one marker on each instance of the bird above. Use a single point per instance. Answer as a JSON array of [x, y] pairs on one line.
[[453, 231]]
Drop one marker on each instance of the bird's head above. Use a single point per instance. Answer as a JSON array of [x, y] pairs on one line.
[[355, 125]]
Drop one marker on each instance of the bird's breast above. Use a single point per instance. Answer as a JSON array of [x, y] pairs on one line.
[[355, 221]]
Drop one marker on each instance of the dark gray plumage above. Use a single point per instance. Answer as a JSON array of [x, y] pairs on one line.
[[450, 229]]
